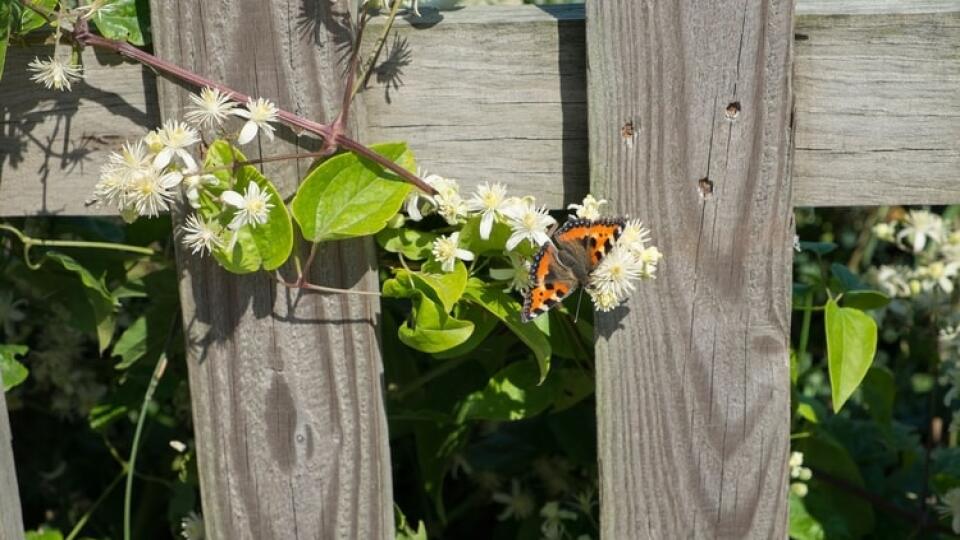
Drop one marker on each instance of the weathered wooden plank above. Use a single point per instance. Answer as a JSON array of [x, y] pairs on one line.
[[490, 94], [693, 390], [878, 106], [287, 403], [52, 143], [497, 93], [11, 517]]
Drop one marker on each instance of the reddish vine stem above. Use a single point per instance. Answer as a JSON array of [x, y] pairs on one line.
[[83, 36]]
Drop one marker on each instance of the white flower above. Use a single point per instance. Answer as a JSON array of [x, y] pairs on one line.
[[151, 192], [920, 226], [52, 73], [938, 273], [892, 280], [447, 200], [884, 231], [446, 249], [200, 236], [649, 258], [118, 173], [553, 516], [634, 237], [950, 507], [799, 489], [519, 504], [178, 446], [490, 202], [603, 300], [253, 207], [796, 459], [528, 223], [176, 137], [518, 274], [191, 527], [210, 108], [590, 209], [153, 141], [259, 113], [615, 274]]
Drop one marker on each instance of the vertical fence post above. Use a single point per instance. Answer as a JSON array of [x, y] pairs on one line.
[[689, 124], [286, 387], [11, 516]]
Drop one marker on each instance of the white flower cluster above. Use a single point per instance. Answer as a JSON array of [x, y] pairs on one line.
[[950, 508], [800, 473], [934, 242], [630, 260], [145, 177]]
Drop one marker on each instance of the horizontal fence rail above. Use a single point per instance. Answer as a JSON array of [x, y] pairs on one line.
[[498, 93]]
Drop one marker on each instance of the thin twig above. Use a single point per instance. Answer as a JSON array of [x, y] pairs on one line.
[[922, 520], [377, 49], [96, 504], [83, 36], [302, 283]]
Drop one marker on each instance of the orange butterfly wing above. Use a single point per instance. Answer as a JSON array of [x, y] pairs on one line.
[[551, 282], [598, 236]]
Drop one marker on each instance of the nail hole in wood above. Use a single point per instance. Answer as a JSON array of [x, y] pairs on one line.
[[628, 131], [800, 37], [706, 187], [733, 109]]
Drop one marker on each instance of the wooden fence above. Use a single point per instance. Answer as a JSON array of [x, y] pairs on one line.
[[710, 120]]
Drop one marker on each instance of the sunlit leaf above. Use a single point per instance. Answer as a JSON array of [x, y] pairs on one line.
[[413, 245], [124, 20], [348, 196], [267, 245], [12, 372], [432, 330], [30, 20], [851, 345], [6, 21]]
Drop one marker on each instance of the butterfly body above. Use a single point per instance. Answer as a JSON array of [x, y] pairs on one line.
[[565, 263]]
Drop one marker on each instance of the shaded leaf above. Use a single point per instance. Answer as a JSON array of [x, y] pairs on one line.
[[851, 345], [349, 196], [513, 393], [847, 279], [879, 391], [865, 299], [97, 295], [507, 309], [820, 248]]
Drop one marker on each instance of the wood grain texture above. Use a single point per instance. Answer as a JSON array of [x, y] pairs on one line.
[[11, 517], [52, 143], [693, 389], [286, 387], [497, 94], [878, 105], [489, 94]]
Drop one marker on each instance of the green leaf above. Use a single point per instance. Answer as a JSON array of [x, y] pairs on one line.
[[848, 280], [507, 309], [803, 526], [841, 514], [132, 343], [6, 22], [513, 393], [268, 245], [470, 237], [413, 245], [44, 533], [865, 300], [98, 296], [12, 372], [851, 345], [879, 391], [445, 287], [404, 531], [433, 330], [348, 196], [104, 414], [30, 20], [120, 20], [483, 323], [820, 248]]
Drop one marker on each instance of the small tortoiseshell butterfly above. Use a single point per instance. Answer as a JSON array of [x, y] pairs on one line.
[[566, 263]]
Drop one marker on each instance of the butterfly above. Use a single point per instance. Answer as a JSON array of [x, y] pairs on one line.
[[566, 262]]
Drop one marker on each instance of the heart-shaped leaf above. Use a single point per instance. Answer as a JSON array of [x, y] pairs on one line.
[[851, 345]]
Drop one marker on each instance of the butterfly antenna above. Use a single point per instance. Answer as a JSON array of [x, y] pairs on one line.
[[576, 315]]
